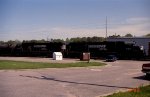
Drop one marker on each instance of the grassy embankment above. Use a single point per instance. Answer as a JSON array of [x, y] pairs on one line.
[[35, 65], [143, 91]]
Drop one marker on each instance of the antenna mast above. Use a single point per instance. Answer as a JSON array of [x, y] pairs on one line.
[[106, 27]]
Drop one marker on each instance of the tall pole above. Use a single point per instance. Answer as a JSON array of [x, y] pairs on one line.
[[106, 27]]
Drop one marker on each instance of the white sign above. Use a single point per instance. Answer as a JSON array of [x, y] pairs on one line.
[[100, 47]]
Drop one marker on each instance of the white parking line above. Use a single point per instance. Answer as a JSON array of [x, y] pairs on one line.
[[95, 69]]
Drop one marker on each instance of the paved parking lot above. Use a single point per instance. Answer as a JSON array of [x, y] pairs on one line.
[[72, 82]]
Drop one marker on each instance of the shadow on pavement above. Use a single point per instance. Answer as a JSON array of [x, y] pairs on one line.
[[143, 77], [73, 82]]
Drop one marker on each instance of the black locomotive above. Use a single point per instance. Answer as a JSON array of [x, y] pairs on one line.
[[103, 49], [74, 49]]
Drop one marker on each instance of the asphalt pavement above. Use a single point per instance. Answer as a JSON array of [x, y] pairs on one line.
[[73, 82]]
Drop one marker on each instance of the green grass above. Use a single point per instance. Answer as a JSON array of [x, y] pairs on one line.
[[35, 65], [144, 92]]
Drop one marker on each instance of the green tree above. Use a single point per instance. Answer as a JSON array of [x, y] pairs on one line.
[[128, 35], [57, 40], [67, 40], [2, 42], [12, 43], [86, 39], [115, 36], [147, 35], [34, 41]]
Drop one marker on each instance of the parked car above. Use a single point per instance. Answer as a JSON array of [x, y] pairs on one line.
[[146, 69], [111, 58]]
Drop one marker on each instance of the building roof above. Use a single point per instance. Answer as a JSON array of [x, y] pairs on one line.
[[128, 37]]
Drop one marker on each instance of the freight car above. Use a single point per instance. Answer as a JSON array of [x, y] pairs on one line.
[[38, 49]]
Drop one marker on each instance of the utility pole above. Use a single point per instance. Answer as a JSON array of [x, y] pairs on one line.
[[106, 27]]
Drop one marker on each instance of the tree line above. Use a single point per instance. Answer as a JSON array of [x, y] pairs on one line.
[[12, 43]]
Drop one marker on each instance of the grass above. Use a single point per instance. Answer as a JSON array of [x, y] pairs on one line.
[[143, 91], [35, 65]]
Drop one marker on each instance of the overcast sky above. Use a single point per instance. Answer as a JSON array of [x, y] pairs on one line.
[[42, 19]]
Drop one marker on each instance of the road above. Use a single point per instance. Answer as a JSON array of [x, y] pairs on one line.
[[72, 82]]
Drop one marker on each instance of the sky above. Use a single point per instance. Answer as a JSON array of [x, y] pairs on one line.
[[61, 19]]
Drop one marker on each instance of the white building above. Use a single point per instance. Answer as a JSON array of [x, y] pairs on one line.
[[57, 56], [144, 43]]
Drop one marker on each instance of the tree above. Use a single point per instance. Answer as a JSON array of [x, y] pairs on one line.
[[57, 40], [67, 40], [2, 42], [86, 39], [128, 35], [12, 43], [97, 39], [147, 35], [115, 36], [34, 41]]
